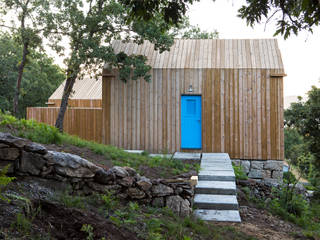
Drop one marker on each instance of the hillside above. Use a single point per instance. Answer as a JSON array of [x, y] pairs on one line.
[[56, 204]]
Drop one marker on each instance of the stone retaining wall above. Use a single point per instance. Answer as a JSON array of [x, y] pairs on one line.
[[262, 169], [30, 159]]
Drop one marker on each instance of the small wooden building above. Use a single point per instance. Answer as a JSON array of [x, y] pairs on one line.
[[205, 95]]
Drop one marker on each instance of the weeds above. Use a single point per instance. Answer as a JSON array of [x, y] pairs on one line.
[[238, 171], [87, 228], [4, 181]]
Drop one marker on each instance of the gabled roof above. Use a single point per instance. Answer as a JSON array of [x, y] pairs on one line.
[[87, 88], [209, 53]]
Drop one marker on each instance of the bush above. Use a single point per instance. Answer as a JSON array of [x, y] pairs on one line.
[[238, 171]]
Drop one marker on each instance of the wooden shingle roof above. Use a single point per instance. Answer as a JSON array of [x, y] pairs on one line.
[[209, 53], [87, 88]]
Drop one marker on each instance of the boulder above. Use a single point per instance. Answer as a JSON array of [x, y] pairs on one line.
[[178, 205], [31, 163], [144, 183], [80, 172], [257, 165], [161, 190], [9, 154], [2, 145], [119, 171], [34, 147], [245, 164], [7, 138], [71, 165], [126, 181], [104, 177], [130, 171], [103, 188], [277, 174], [273, 165], [3, 164], [135, 193], [255, 173]]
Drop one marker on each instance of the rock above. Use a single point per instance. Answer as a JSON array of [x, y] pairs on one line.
[[144, 183], [9, 154], [135, 193], [2, 145], [126, 181], [273, 165], [277, 174], [245, 166], [187, 192], [71, 165], [185, 209], [119, 171], [158, 202], [31, 163], [6, 163], [104, 177], [257, 165], [255, 173], [80, 172], [103, 188], [161, 190], [34, 147], [236, 162], [178, 190], [130, 171], [7, 138], [178, 205], [266, 174]]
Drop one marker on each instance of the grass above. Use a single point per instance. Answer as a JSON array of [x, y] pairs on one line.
[[156, 223], [42, 133]]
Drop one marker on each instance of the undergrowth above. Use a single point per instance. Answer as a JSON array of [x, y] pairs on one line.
[[4, 181], [42, 133]]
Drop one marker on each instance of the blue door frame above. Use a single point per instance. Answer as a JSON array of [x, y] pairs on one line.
[[191, 127]]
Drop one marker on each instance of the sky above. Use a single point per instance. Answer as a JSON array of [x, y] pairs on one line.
[[300, 54]]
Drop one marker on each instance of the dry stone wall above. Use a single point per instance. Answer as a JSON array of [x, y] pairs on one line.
[[268, 170], [30, 159]]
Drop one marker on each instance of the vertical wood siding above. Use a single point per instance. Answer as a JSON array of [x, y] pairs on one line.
[[242, 111], [81, 103], [83, 122]]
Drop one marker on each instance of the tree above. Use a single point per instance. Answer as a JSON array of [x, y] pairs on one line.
[[90, 29], [304, 117], [29, 16], [189, 31], [41, 77], [292, 16]]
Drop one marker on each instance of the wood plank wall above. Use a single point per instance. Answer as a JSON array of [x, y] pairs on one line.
[[81, 103], [242, 111], [83, 122]]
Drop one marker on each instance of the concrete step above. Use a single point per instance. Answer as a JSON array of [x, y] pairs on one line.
[[218, 215], [218, 156], [215, 187], [187, 156], [215, 202], [216, 175], [216, 167]]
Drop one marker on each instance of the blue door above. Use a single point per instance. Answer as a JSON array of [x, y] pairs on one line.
[[191, 122]]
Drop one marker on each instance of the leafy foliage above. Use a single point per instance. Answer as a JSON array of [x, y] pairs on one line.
[[302, 121], [41, 77], [292, 16], [4, 181], [238, 171]]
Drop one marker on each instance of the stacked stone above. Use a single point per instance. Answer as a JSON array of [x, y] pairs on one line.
[[30, 159], [269, 170]]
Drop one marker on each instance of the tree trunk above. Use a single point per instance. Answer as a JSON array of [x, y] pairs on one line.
[[64, 101]]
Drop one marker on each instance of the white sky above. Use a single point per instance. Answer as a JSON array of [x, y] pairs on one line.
[[300, 54]]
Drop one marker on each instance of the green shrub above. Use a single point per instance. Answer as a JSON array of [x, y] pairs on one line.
[[239, 173], [4, 181]]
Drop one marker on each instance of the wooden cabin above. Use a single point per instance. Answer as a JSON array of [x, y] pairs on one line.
[[205, 95], [212, 95]]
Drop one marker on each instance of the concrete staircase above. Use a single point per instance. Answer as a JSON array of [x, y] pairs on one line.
[[215, 194]]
